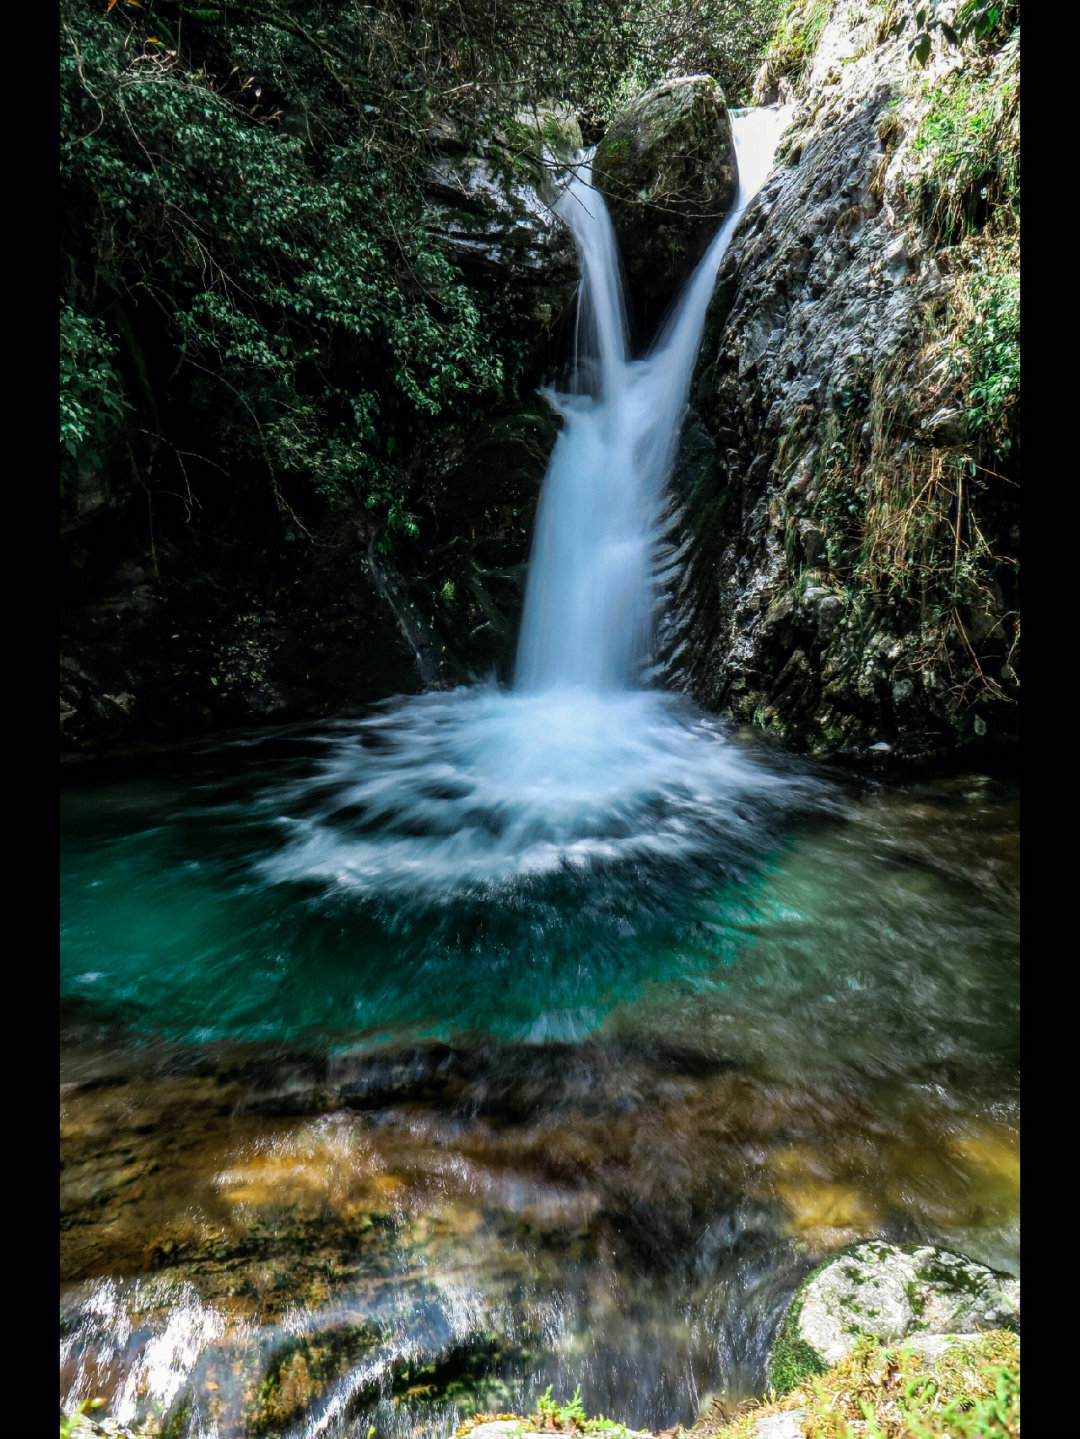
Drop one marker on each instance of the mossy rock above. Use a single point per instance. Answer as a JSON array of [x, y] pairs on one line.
[[554, 124], [890, 1294], [303, 1368], [667, 170], [791, 1359], [490, 205], [939, 1388]]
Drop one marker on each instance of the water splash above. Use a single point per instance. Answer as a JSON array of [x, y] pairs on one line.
[[146, 1365], [475, 787]]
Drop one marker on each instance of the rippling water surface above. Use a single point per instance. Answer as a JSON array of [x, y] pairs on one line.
[[416, 1062], [407, 869]]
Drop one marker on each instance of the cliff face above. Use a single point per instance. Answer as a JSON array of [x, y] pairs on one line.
[[851, 479]]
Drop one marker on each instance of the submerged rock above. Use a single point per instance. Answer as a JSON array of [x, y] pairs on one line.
[[890, 1294], [666, 168]]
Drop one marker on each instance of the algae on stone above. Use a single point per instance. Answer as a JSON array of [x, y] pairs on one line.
[[888, 1293]]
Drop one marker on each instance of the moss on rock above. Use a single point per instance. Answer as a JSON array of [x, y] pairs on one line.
[[667, 170], [791, 1360], [961, 1388], [889, 1293]]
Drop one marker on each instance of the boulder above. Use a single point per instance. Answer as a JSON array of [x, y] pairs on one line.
[[666, 168], [892, 1294], [553, 124], [490, 208]]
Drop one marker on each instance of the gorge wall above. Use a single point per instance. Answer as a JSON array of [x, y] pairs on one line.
[[851, 475], [300, 440]]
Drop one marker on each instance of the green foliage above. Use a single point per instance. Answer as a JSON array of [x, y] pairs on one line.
[[571, 1413], [288, 285], [972, 1391], [75, 1423], [980, 1400], [797, 35], [987, 351], [250, 289], [969, 140], [791, 1360], [571, 1418], [978, 20], [653, 39], [926, 525], [988, 21], [92, 403]]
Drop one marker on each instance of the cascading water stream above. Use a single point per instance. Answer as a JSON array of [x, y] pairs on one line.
[[590, 601], [579, 763]]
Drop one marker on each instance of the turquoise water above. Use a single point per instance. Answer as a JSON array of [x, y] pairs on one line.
[[258, 891], [170, 917]]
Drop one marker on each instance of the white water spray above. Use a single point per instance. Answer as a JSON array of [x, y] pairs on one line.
[[590, 603]]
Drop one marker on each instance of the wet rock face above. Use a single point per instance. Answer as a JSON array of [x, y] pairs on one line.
[[148, 656], [799, 301], [666, 168], [490, 209], [819, 408], [169, 632], [893, 1295]]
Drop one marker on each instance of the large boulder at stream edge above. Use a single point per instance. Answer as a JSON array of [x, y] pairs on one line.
[[923, 1297], [666, 168]]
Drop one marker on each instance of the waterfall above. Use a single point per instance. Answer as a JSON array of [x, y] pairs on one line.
[[590, 600], [580, 763]]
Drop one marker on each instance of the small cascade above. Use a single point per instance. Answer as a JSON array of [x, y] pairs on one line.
[[590, 603]]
